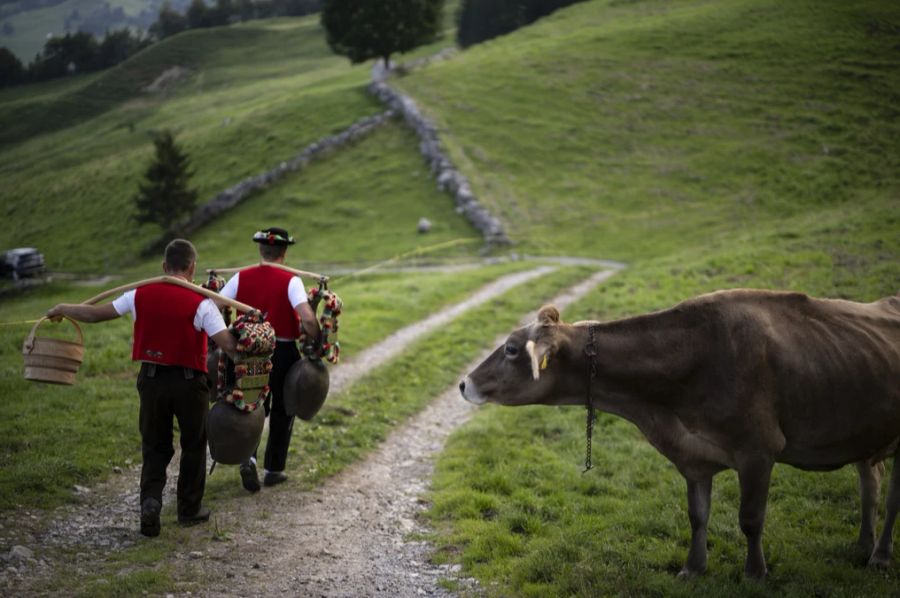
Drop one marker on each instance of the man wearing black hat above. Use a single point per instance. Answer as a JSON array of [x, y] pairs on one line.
[[282, 297]]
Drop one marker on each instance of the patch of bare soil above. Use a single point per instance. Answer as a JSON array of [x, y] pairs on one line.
[[168, 79], [356, 535]]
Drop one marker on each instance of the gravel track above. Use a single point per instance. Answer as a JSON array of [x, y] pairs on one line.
[[349, 537]]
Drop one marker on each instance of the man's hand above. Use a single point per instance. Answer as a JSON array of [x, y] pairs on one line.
[[225, 341], [56, 313], [308, 322]]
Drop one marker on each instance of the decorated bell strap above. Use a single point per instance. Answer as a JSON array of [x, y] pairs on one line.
[[329, 348], [254, 335], [244, 382]]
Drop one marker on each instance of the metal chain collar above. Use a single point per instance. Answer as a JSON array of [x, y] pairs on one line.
[[590, 351]]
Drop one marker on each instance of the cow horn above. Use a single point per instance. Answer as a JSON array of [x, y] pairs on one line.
[[535, 363]]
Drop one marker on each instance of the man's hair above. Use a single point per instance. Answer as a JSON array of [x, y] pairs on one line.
[[180, 254], [272, 252]]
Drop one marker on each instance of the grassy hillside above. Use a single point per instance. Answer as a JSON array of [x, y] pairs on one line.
[[643, 127], [73, 152], [711, 145]]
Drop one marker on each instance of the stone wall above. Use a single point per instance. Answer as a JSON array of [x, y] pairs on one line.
[[232, 196], [448, 178]]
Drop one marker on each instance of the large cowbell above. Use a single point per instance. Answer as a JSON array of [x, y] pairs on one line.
[[233, 434], [305, 388]]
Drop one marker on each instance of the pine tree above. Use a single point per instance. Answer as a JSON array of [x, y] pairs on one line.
[[164, 197]]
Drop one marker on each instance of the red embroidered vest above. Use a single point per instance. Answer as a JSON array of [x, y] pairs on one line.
[[266, 288], [164, 329]]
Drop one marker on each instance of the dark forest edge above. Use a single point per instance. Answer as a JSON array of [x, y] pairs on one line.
[[82, 52]]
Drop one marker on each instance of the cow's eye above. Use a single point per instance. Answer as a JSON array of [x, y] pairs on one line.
[[511, 350]]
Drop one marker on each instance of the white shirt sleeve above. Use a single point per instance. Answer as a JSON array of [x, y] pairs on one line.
[[208, 318], [231, 287], [296, 292], [125, 304]]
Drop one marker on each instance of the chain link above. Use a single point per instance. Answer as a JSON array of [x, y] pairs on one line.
[[590, 351]]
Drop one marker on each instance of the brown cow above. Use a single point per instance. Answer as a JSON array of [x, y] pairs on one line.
[[739, 379]]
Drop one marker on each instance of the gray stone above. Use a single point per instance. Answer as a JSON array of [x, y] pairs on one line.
[[20, 553]]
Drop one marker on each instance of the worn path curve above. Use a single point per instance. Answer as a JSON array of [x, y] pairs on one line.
[[346, 538]]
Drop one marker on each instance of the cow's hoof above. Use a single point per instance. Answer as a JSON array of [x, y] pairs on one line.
[[756, 575], [866, 546], [687, 573], [879, 561]]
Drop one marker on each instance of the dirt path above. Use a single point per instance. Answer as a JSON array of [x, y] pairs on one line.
[[349, 537], [385, 350]]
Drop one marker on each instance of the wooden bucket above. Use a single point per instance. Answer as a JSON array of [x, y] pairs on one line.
[[52, 360]]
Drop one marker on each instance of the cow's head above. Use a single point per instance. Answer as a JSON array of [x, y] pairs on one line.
[[531, 367]]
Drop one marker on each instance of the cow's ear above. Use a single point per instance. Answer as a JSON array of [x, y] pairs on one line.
[[548, 316], [540, 356]]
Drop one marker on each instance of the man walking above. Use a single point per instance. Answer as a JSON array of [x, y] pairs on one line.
[[171, 325], [282, 297]]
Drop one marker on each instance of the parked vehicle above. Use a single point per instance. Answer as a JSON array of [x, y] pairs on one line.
[[23, 262]]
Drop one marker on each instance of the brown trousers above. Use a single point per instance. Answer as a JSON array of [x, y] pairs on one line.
[[169, 392]]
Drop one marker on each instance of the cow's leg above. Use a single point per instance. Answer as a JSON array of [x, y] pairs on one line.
[[882, 556], [699, 493], [754, 477], [869, 490]]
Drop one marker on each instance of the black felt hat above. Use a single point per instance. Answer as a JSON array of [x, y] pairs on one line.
[[273, 236]]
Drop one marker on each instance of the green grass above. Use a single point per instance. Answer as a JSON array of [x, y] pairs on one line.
[[747, 144], [360, 204], [72, 153], [640, 128]]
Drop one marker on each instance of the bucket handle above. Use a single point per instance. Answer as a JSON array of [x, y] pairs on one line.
[[29, 340]]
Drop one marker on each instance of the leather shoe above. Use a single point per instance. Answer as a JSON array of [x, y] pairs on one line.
[[200, 516], [274, 477], [248, 476], [150, 525]]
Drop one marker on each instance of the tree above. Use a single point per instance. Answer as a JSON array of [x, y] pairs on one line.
[[117, 46], [247, 9], [363, 29], [165, 197], [71, 53], [199, 15], [480, 20], [169, 22], [11, 69]]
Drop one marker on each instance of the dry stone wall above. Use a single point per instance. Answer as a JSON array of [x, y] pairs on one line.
[[449, 179], [232, 196]]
